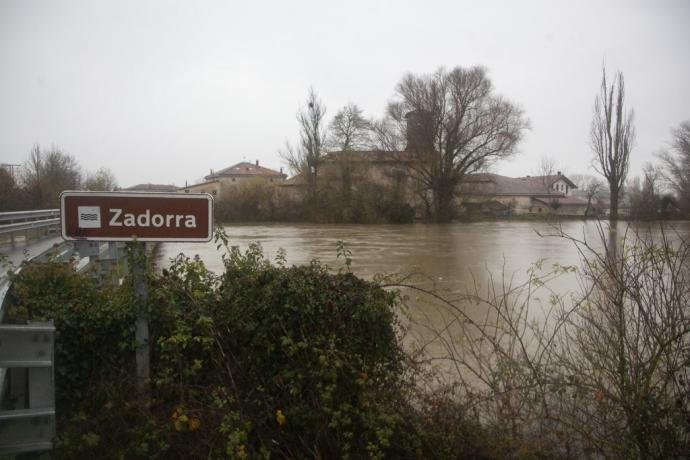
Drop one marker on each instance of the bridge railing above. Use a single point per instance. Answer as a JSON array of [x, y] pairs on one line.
[[28, 423], [27, 381], [16, 222]]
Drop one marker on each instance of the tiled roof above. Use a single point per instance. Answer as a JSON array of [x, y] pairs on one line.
[[552, 179], [298, 180], [213, 181], [152, 188], [375, 156], [245, 169], [494, 184]]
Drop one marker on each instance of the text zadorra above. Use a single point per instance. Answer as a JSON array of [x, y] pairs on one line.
[[146, 219]]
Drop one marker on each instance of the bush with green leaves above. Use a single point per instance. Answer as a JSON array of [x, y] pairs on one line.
[[261, 361], [282, 360], [94, 356]]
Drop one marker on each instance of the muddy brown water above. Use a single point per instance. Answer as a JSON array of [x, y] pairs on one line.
[[452, 258], [451, 254]]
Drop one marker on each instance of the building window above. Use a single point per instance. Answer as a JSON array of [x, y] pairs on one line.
[[233, 179], [186, 191]]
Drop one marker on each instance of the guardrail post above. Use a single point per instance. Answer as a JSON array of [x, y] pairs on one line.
[[29, 424], [139, 266], [113, 262]]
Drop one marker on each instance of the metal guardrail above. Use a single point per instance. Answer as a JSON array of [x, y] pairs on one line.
[[23, 221], [26, 365], [26, 215], [20, 226], [27, 355], [26, 373]]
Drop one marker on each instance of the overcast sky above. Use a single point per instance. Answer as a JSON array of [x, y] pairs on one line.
[[163, 91]]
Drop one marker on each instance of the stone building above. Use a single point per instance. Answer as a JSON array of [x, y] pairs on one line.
[[241, 173], [493, 193]]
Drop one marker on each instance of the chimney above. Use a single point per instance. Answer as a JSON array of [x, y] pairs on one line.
[[559, 173], [257, 162], [281, 170], [419, 131]]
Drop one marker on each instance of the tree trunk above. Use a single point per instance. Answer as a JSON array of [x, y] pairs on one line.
[[444, 204], [613, 210]]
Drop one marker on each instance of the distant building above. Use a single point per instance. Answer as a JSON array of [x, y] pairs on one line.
[[494, 193], [12, 169], [151, 188], [217, 182]]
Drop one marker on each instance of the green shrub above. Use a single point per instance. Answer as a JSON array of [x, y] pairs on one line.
[[261, 361], [319, 347], [93, 324]]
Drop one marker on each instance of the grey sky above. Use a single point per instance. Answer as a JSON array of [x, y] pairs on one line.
[[163, 91]]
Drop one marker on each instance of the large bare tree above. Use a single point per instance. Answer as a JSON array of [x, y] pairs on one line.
[[306, 157], [348, 133], [612, 136], [47, 173], [676, 164], [455, 125], [349, 130]]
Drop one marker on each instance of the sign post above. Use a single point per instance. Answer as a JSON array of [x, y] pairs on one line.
[[137, 218], [141, 334]]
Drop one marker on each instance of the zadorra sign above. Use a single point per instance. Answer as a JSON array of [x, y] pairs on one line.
[[120, 216]]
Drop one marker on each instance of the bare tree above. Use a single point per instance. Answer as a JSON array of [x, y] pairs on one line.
[[386, 135], [348, 133], [101, 180], [591, 186], [569, 370], [612, 137], [46, 174], [349, 130], [32, 175], [676, 165], [645, 194], [12, 197], [546, 169], [306, 157], [454, 125]]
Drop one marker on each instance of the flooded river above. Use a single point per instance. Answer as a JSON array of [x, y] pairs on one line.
[[453, 255], [453, 258]]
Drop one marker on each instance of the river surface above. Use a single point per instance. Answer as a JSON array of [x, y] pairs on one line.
[[453, 255], [451, 259]]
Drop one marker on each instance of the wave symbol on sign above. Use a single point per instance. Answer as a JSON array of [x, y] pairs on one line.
[[88, 216]]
